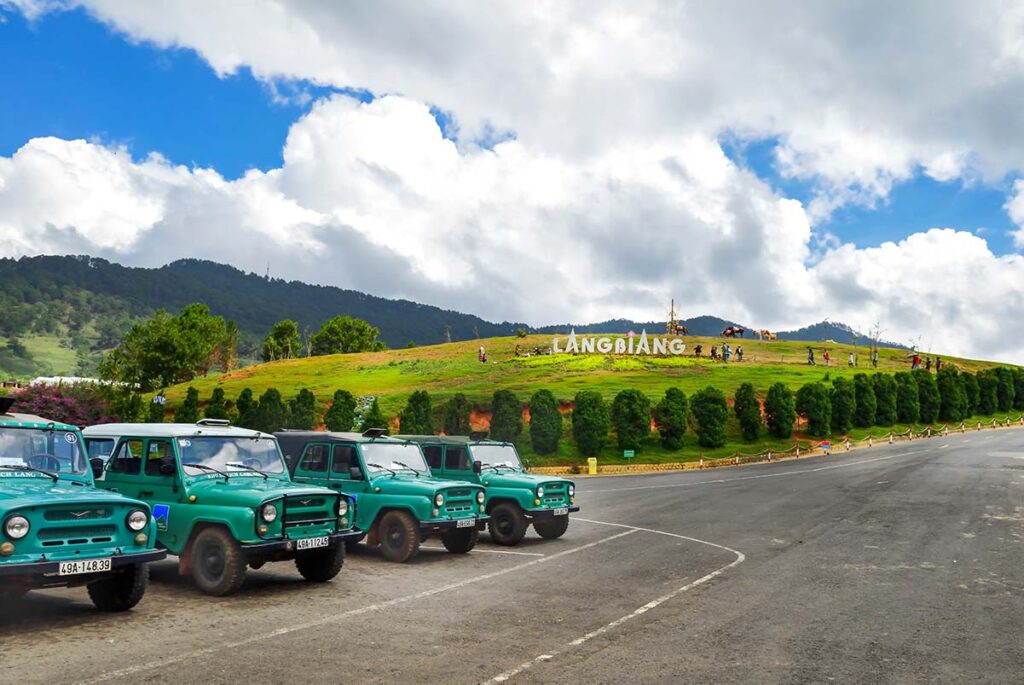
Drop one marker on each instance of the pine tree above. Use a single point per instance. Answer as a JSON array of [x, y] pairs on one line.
[[188, 411], [927, 395], [748, 412], [246, 406], [373, 418], [456, 415], [866, 404], [216, 407], [417, 417], [589, 423], [812, 400], [506, 416], [302, 410], [670, 416], [779, 411], [885, 399], [342, 413], [545, 422], [631, 417], [844, 404], [272, 413], [710, 410], [952, 397], [908, 406]]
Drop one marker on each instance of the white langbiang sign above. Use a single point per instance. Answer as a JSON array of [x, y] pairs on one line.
[[588, 344]]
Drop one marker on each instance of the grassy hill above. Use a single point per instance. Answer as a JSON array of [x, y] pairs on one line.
[[446, 369]]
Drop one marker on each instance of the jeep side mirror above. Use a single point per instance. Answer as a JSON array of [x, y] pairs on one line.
[[355, 473], [97, 467], [167, 466], [477, 468]]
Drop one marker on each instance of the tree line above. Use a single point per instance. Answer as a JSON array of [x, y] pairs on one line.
[[827, 408]]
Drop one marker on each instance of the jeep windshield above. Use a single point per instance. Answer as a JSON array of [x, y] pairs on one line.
[[230, 456], [27, 451], [381, 457], [497, 456]]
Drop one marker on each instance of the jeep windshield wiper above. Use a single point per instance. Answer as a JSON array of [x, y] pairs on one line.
[[14, 467], [204, 467], [383, 468], [240, 465], [408, 467]]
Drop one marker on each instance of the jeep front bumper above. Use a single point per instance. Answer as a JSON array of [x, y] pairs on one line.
[[549, 513], [449, 524], [288, 544], [39, 568]]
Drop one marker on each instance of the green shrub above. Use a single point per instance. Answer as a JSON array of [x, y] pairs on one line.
[[844, 403], [545, 422], [415, 419], [373, 418], [342, 413], [779, 411], [748, 412], [927, 395], [1018, 388], [456, 415], [302, 410], [188, 411], [670, 416], [885, 399], [971, 392], [246, 405], [1004, 388], [506, 416], [272, 413], [216, 406], [812, 400], [908, 407], [710, 410], [952, 398], [589, 423], [156, 413], [631, 418], [866, 403]]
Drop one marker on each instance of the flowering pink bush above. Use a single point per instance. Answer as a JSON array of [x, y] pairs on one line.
[[80, 404]]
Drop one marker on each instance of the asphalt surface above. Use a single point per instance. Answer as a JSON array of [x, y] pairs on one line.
[[900, 563]]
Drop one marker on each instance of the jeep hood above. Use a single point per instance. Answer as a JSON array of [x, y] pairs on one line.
[[248, 491], [408, 484], [29, 492], [517, 479]]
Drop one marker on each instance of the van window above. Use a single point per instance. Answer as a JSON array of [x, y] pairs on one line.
[[155, 453], [315, 459], [432, 454], [128, 459], [455, 459], [344, 456]]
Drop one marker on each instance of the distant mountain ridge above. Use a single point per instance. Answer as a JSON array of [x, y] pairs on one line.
[[61, 312]]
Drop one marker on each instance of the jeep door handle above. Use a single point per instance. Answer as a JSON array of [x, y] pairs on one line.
[[144, 493]]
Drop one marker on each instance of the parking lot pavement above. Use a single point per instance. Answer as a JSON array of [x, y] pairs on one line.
[[896, 563]]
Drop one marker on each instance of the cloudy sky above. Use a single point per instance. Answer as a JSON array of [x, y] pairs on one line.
[[775, 163]]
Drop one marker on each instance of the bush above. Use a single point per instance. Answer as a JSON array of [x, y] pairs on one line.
[[844, 403], [952, 398], [342, 413], [908, 407], [373, 418], [506, 416], [812, 400], [1004, 388], [246, 406], [589, 423], [710, 411], [216, 406], [748, 412], [456, 415], [988, 392], [779, 411], [81, 404], [927, 395], [272, 413], [1018, 388], [670, 416], [631, 417], [416, 419], [188, 411], [545, 422], [971, 393], [885, 399], [303, 410], [155, 413], [866, 404]]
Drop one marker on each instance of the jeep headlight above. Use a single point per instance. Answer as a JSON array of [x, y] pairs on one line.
[[268, 512], [16, 527], [540, 491], [137, 520], [342, 506], [480, 497], [572, 490], [438, 499]]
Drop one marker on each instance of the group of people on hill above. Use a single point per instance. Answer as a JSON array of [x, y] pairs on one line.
[[915, 363], [726, 354], [851, 360]]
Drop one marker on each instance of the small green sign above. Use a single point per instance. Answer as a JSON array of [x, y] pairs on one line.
[[628, 454]]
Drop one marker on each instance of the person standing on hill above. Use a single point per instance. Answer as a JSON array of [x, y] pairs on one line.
[[739, 353], [810, 356], [874, 359], [927, 363], [827, 357], [726, 352], [849, 360]]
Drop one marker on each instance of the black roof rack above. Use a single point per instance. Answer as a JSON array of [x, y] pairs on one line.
[[478, 435], [375, 432]]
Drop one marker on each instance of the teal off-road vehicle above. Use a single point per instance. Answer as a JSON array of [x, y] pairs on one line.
[[515, 498], [223, 500], [56, 528], [398, 503]]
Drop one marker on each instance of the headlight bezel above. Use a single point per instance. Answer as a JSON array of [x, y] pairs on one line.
[[268, 512], [128, 520], [540, 491], [480, 497], [439, 499], [12, 519], [571, 489], [343, 506]]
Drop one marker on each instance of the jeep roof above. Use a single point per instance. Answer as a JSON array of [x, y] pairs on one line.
[[14, 420], [452, 439], [173, 430]]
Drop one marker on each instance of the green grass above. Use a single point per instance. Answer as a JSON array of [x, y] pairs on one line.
[[47, 356]]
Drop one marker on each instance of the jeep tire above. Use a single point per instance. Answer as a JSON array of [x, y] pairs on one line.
[[351, 543], [321, 565], [552, 528], [122, 591], [399, 536], [507, 525], [459, 540], [218, 565]]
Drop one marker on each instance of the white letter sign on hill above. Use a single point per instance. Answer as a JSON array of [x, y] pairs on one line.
[[643, 345]]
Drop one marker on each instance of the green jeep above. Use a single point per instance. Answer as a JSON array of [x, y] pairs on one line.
[[59, 530], [223, 500], [398, 504], [515, 498]]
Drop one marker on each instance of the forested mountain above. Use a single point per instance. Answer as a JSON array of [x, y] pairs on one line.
[[59, 314]]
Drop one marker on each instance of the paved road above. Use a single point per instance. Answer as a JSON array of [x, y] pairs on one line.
[[900, 563]]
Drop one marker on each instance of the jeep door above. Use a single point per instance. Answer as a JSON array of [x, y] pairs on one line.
[[458, 465], [124, 468], [162, 489]]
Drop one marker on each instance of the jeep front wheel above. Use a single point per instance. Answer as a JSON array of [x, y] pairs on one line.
[[507, 525], [399, 536], [218, 565], [552, 528], [122, 591], [459, 540], [322, 565]]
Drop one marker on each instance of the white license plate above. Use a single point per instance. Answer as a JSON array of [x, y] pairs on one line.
[[564, 511], [465, 523], [312, 543], [73, 568]]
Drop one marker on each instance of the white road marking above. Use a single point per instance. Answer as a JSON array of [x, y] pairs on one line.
[[335, 618], [740, 557], [488, 551], [1010, 455], [942, 447], [763, 475]]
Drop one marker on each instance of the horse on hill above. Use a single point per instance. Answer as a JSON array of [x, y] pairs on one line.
[[765, 334], [734, 331], [681, 330]]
